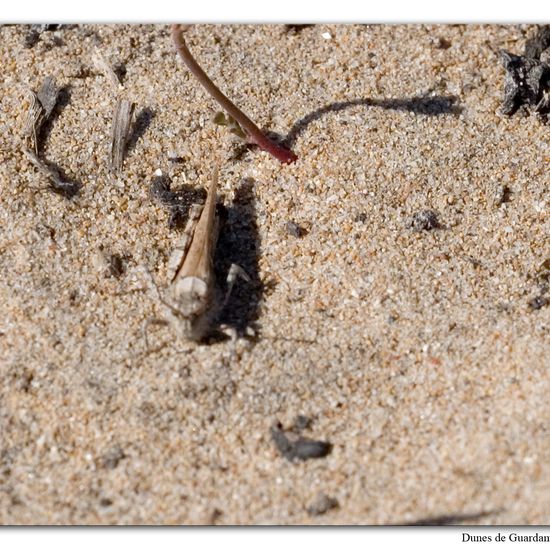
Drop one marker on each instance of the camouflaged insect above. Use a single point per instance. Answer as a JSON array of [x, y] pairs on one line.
[[192, 299], [190, 294]]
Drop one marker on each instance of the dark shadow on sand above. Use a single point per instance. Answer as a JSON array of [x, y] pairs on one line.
[[238, 243], [421, 105], [141, 124], [178, 202]]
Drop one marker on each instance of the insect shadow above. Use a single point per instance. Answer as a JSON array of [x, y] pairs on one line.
[[141, 123], [422, 105], [239, 243]]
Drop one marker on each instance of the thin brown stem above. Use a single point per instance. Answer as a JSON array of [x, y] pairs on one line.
[[254, 134]]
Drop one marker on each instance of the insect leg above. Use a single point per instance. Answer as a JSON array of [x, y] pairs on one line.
[[234, 272]]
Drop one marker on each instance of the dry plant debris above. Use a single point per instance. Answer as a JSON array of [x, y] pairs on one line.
[[322, 504], [122, 119], [41, 107], [527, 82]]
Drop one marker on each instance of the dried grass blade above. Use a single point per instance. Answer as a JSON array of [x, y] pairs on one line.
[[122, 118]]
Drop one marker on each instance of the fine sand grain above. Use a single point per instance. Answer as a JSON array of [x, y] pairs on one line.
[[415, 343]]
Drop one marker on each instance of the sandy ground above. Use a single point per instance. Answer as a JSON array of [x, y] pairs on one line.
[[419, 355]]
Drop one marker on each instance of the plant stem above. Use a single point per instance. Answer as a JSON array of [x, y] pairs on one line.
[[254, 134]]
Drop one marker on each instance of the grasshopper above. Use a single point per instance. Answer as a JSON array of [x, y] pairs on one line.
[[191, 299]]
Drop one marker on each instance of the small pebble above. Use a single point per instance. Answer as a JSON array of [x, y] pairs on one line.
[[300, 448], [443, 43], [295, 230], [538, 303], [425, 220], [322, 505], [111, 459], [502, 195]]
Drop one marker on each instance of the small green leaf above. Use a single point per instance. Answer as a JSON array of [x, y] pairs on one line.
[[220, 119], [223, 119]]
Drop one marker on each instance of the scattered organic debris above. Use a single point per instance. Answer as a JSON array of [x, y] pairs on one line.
[[114, 264], [238, 122], [35, 118], [542, 278], [322, 505], [41, 107], [40, 110], [111, 458], [67, 189], [295, 447], [122, 119], [295, 29], [442, 43], [425, 220], [175, 158], [527, 82], [543, 272], [103, 66]]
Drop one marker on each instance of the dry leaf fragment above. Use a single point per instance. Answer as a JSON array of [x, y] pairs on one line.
[[122, 118], [40, 109]]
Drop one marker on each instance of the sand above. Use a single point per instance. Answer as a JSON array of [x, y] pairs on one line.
[[419, 355]]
